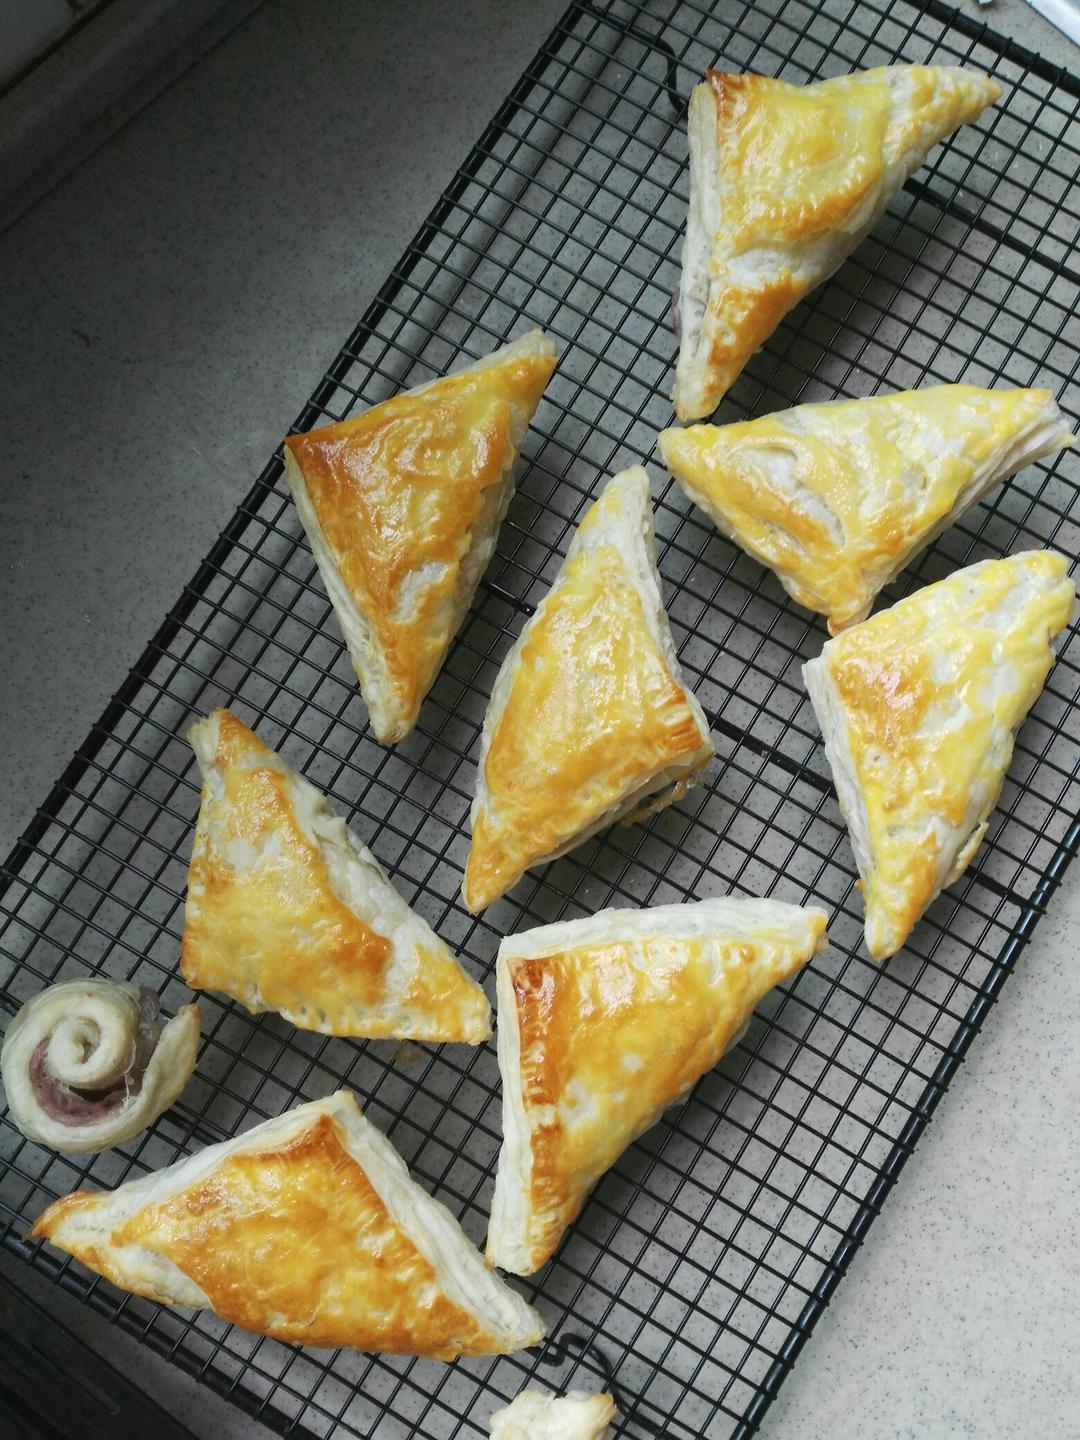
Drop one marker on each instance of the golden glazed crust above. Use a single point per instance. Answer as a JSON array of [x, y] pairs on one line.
[[401, 505], [785, 182], [287, 911], [266, 1237], [589, 711], [308, 1230], [838, 498], [919, 707], [605, 1022]]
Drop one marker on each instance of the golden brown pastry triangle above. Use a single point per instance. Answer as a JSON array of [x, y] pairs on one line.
[[838, 498], [603, 1022], [288, 911], [589, 720], [307, 1228], [402, 505], [785, 181], [919, 706]]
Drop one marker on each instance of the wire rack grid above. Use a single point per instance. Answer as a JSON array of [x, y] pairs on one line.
[[705, 1256]]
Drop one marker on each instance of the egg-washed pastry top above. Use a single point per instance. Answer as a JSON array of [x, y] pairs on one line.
[[605, 1021], [589, 717], [286, 909], [919, 706], [309, 1229], [402, 505], [536, 1415], [785, 181], [837, 498]]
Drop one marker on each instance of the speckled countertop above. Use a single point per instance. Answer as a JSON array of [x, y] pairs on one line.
[[168, 308]]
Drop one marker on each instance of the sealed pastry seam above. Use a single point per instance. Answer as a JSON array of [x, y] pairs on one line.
[[402, 505], [919, 707], [287, 910], [590, 721], [785, 181], [309, 1229], [837, 498], [603, 1023], [508, 1243]]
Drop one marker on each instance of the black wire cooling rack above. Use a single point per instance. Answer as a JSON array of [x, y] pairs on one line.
[[704, 1258]]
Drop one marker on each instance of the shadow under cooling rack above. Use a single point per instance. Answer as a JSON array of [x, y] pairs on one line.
[[705, 1256]]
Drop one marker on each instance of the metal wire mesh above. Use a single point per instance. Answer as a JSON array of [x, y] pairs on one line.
[[704, 1257]]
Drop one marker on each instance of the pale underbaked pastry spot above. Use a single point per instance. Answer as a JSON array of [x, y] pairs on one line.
[[785, 181], [402, 505], [604, 1022], [919, 707], [308, 1229], [536, 1415], [286, 910], [589, 720], [837, 498]]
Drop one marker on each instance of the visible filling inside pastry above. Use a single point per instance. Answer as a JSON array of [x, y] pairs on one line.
[[74, 1106], [88, 1063]]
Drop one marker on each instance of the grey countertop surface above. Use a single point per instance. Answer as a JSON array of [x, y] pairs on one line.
[[167, 309]]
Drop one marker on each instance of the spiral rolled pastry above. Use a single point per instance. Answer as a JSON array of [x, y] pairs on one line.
[[87, 1063]]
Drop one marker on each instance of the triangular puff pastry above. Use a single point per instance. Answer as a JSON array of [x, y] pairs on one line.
[[785, 181], [288, 911], [838, 498], [603, 1022], [402, 505], [919, 706], [589, 720], [308, 1228]]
